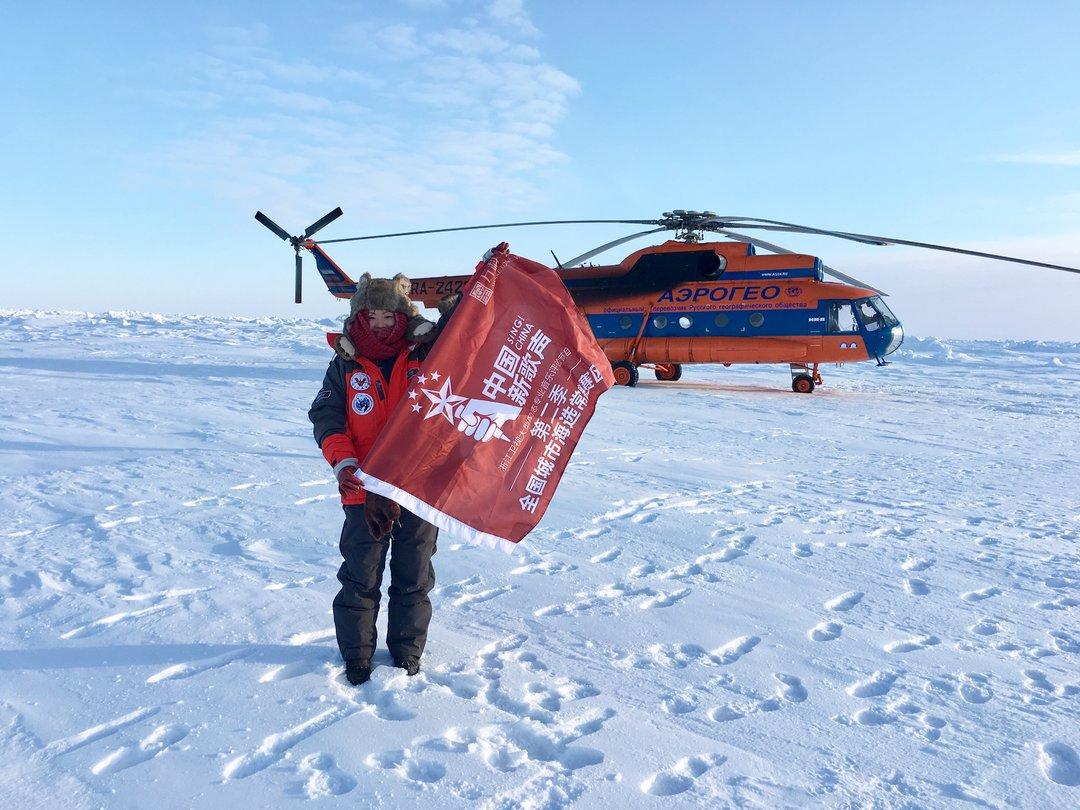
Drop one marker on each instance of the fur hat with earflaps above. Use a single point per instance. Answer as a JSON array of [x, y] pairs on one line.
[[391, 294]]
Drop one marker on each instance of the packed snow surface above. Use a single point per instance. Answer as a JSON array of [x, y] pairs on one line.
[[740, 596]]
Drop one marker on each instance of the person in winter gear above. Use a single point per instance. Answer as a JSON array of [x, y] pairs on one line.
[[377, 354]]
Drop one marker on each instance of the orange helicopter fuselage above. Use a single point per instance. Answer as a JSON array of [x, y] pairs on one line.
[[718, 302]]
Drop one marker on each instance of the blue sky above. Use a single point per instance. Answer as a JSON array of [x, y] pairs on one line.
[[139, 141]]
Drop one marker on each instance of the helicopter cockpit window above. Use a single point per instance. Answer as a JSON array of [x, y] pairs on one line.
[[842, 318], [875, 314], [872, 320]]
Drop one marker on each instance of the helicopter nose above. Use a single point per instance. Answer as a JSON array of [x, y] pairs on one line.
[[895, 336]]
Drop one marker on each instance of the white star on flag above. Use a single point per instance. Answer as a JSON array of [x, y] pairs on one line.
[[422, 379], [413, 394], [435, 376], [416, 407], [443, 402]]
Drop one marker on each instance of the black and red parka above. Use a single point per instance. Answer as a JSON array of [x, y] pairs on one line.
[[354, 403]]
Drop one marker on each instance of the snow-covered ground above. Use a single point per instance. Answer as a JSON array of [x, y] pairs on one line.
[[739, 597]]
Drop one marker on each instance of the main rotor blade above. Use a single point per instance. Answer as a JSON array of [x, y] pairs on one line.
[[499, 225], [299, 277], [772, 225], [318, 225], [269, 223], [761, 243], [574, 262], [888, 240]]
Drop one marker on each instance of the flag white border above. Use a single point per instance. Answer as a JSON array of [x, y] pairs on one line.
[[451, 525]]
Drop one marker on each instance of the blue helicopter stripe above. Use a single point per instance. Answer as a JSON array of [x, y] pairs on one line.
[[737, 323]]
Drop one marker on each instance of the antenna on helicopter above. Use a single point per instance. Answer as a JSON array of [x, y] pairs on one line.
[[297, 242]]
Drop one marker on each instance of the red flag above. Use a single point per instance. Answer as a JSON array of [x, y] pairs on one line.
[[488, 426]]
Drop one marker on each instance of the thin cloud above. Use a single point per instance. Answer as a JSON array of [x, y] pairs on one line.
[[399, 120], [512, 13]]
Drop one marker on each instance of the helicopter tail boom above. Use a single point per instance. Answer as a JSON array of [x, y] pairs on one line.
[[337, 281]]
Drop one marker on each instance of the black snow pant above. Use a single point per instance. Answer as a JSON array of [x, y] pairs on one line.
[[411, 545]]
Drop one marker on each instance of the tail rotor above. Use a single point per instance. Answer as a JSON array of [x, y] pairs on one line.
[[297, 242]]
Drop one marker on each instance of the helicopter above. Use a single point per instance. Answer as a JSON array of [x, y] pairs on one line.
[[689, 301]]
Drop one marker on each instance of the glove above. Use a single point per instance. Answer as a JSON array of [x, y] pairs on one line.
[[447, 303], [502, 247], [347, 482], [420, 330], [380, 513]]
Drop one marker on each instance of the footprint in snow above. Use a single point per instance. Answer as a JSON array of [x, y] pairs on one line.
[[283, 672], [322, 777], [455, 740], [845, 601], [985, 627], [1059, 763], [156, 743], [872, 717], [911, 644], [724, 714], [1063, 642], [186, 670], [974, 688], [681, 776], [664, 599], [801, 550], [404, 763], [678, 703], [826, 631], [545, 568], [456, 588], [916, 564], [481, 596], [607, 556], [916, 587], [734, 650], [932, 726], [791, 688], [876, 685], [981, 594]]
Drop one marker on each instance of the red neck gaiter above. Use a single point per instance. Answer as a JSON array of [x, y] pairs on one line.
[[378, 344]]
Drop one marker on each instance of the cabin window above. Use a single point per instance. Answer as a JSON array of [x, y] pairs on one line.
[[625, 322], [841, 317], [660, 321], [721, 320], [757, 319], [685, 321]]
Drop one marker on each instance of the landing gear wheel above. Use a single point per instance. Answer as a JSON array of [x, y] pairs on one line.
[[668, 372], [626, 373], [802, 384]]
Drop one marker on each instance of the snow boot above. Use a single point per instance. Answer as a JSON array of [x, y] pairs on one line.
[[410, 664], [357, 672]]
